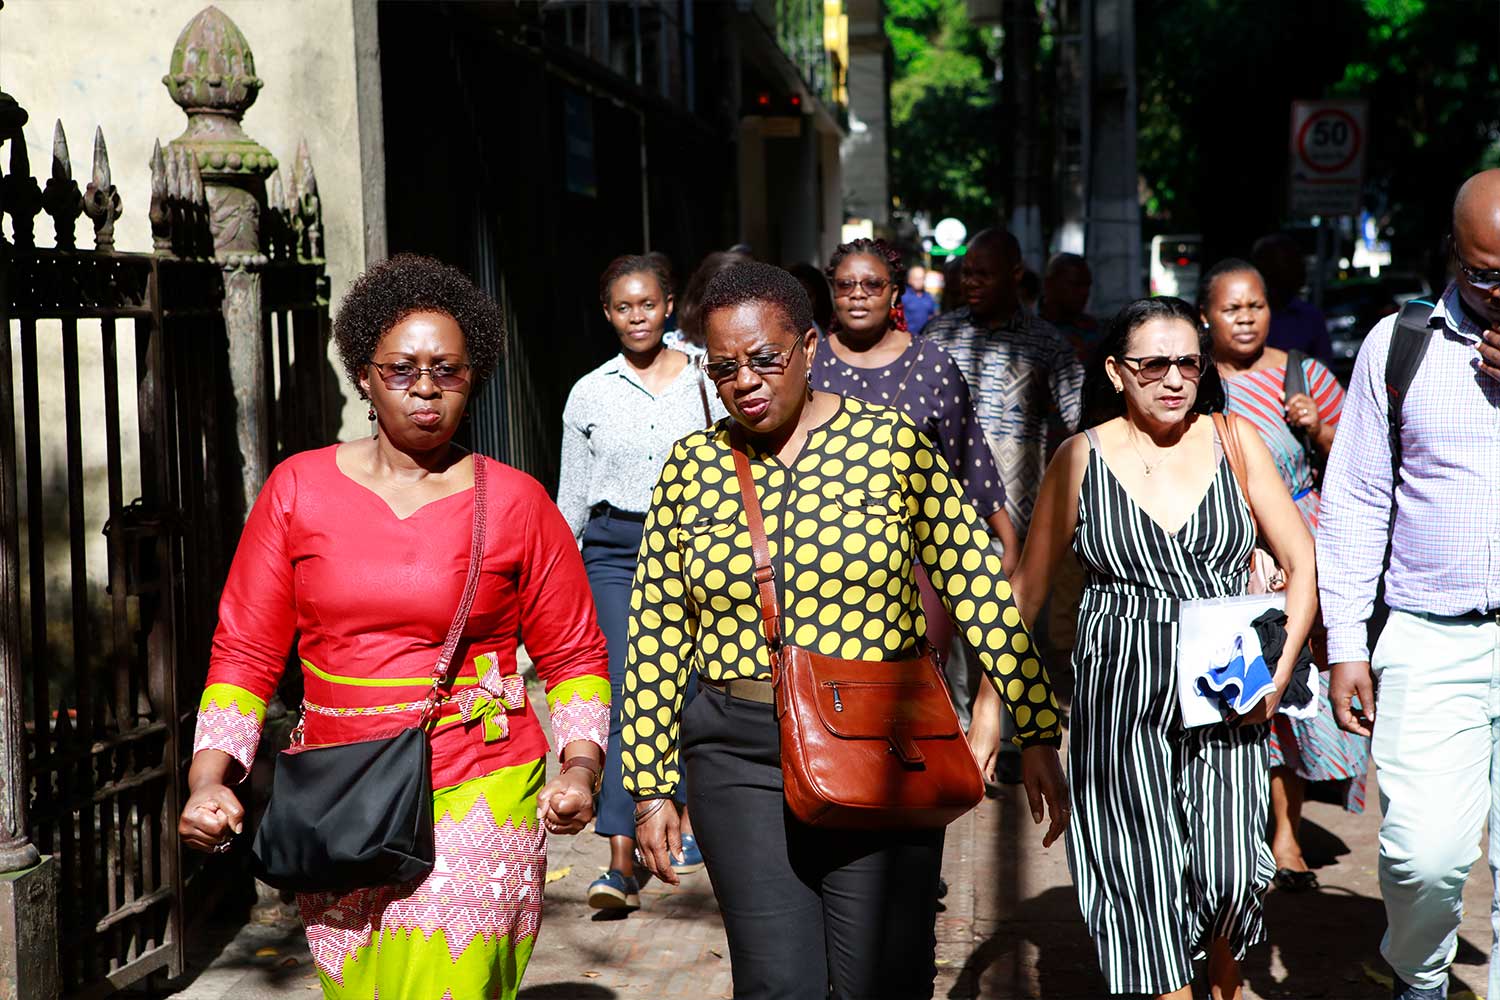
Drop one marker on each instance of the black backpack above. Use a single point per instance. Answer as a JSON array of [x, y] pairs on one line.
[[1409, 342]]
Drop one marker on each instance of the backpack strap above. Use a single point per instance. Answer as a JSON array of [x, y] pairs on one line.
[[1296, 375], [1409, 341]]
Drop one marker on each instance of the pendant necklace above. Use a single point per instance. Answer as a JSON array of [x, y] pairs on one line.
[[1138, 454]]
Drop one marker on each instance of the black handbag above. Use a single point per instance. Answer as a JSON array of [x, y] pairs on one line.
[[357, 815]]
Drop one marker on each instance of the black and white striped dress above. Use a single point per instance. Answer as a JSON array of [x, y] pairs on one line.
[[1167, 843]]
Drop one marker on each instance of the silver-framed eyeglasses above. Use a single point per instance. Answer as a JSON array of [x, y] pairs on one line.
[[400, 375], [1483, 279], [765, 361]]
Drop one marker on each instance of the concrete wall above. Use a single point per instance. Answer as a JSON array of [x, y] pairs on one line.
[[100, 64], [92, 63], [866, 153]]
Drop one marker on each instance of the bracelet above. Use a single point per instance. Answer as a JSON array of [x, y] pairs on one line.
[[596, 773], [651, 810]]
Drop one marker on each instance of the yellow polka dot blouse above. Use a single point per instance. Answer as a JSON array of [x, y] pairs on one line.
[[867, 496]]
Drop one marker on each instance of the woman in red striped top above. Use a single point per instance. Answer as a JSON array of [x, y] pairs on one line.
[[1298, 429]]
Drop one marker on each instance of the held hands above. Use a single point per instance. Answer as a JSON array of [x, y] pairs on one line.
[[1352, 680], [658, 837], [566, 803], [211, 818]]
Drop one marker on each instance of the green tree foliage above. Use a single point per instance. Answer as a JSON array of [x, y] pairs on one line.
[[1429, 70], [1216, 81], [943, 111]]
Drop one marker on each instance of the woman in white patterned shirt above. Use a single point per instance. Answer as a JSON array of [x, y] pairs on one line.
[[619, 425]]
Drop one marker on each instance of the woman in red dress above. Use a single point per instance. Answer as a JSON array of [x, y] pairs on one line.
[[357, 553]]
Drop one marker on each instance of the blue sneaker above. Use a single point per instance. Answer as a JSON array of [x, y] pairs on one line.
[[692, 858], [615, 891]]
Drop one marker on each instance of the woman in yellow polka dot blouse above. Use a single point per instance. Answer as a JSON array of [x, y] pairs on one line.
[[853, 498]]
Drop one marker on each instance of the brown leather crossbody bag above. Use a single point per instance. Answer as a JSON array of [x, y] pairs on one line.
[[864, 744]]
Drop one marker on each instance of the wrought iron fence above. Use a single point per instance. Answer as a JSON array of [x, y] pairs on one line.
[[121, 414]]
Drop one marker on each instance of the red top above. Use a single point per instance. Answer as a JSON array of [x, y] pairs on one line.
[[367, 597]]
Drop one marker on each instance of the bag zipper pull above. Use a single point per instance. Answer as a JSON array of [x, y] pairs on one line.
[[838, 704]]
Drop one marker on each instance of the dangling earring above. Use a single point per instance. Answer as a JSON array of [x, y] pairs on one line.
[[374, 427], [809, 383]]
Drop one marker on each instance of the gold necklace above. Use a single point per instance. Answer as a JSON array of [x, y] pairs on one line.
[[1139, 454]]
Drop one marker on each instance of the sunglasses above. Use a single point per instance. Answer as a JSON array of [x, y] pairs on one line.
[[763, 362], [872, 286], [401, 375], [1155, 368], [1483, 280]]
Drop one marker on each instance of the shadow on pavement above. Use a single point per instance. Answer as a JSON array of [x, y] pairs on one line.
[[1320, 846], [567, 991], [1067, 968], [1327, 943]]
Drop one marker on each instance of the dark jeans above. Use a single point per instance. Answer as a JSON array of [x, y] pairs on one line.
[[610, 548], [806, 910]]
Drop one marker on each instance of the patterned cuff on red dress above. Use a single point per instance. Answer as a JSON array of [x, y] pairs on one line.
[[580, 711], [229, 719]]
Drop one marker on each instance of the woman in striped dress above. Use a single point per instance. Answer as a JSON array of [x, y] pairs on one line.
[[1233, 305], [1167, 846]]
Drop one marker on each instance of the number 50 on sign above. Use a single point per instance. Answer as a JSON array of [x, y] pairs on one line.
[[1328, 144]]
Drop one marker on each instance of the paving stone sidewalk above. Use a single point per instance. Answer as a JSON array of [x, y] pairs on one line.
[[1010, 930]]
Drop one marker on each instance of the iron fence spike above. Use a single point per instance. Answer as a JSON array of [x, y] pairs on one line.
[[62, 161], [101, 159]]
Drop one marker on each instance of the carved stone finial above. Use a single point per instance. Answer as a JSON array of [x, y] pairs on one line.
[[212, 69], [23, 198], [61, 198], [101, 202], [213, 78]]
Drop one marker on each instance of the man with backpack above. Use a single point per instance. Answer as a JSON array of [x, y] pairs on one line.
[[1411, 499]]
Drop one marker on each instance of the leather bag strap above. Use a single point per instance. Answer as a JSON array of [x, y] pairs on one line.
[[442, 672], [765, 574], [1227, 425], [1230, 440]]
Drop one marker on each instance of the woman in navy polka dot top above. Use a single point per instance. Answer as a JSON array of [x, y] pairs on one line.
[[870, 355]]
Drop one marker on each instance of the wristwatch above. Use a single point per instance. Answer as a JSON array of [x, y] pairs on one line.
[[587, 763]]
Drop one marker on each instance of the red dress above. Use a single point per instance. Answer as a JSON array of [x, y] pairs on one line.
[[367, 598]]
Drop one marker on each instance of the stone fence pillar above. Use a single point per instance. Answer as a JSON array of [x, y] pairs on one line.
[[212, 77]]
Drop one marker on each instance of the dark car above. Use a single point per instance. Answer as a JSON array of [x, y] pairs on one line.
[[1351, 308]]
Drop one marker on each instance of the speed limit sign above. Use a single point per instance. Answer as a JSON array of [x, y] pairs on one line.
[[1328, 156]]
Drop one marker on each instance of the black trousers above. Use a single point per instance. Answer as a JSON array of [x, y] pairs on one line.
[[810, 913]]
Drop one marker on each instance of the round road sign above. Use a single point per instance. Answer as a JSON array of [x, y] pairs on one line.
[[1329, 141], [950, 233]]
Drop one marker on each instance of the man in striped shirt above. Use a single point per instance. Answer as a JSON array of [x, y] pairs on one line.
[[1437, 664], [1020, 370]]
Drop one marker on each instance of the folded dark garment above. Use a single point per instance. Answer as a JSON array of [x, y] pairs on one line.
[[1270, 628]]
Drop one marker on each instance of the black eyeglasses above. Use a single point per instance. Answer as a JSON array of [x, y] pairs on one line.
[[399, 375], [872, 286], [1483, 279], [766, 361], [1155, 368]]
